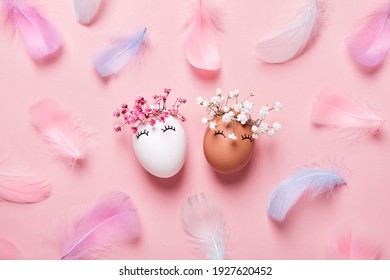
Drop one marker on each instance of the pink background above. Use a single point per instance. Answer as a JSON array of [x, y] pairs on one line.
[[71, 80]]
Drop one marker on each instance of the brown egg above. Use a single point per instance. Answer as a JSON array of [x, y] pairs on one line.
[[224, 154]]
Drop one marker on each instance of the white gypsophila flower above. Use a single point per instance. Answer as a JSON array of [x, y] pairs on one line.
[[213, 125], [199, 100], [255, 135], [226, 118], [215, 99], [271, 132], [264, 111], [205, 120], [247, 107], [264, 127], [255, 129], [226, 109], [218, 91], [210, 112], [242, 118], [232, 136], [278, 106], [236, 92], [231, 113], [277, 126], [231, 94], [237, 107], [206, 103]]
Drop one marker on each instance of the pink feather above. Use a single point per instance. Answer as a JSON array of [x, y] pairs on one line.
[[65, 136], [23, 188], [202, 46], [336, 110], [370, 45], [112, 221], [40, 37], [8, 251], [348, 246]]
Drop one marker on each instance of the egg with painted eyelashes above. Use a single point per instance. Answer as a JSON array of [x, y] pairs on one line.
[[161, 149], [224, 154]]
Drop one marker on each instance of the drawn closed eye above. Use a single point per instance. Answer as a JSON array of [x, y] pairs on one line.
[[142, 132], [219, 132], [168, 127], [246, 136]]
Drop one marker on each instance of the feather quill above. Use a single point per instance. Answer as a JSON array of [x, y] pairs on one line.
[[291, 42], [112, 60], [86, 10], [113, 221], [370, 45], [23, 188], [347, 245], [285, 195], [336, 110], [204, 223], [202, 46], [65, 136], [40, 37], [8, 251]]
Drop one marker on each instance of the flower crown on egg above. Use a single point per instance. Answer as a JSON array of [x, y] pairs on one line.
[[239, 112], [142, 112]]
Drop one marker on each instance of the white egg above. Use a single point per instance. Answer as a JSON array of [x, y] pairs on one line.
[[161, 149]]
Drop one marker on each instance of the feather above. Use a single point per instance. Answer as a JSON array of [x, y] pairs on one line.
[[23, 188], [370, 45], [202, 45], [112, 60], [40, 37], [8, 251], [113, 221], [348, 246], [292, 41], [285, 195], [64, 135], [85, 10], [339, 111], [204, 223]]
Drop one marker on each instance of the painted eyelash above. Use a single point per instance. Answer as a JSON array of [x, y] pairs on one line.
[[143, 132], [246, 136], [219, 132], [168, 127]]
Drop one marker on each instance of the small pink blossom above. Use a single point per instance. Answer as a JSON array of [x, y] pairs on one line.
[[116, 113], [152, 122], [134, 129], [161, 118], [117, 128], [125, 106], [167, 90]]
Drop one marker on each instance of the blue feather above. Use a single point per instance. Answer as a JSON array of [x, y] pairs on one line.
[[285, 195], [117, 56]]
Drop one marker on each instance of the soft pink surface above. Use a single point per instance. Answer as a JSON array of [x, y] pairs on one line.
[[37, 229]]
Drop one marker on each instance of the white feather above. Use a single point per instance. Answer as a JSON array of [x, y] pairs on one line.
[[289, 43], [86, 10], [204, 222]]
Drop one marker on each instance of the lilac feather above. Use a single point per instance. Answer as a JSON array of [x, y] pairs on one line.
[[370, 45], [40, 36], [285, 195], [113, 221], [112, 60]]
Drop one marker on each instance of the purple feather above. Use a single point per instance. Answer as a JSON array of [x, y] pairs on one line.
[[285, 195], [112, 60]]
